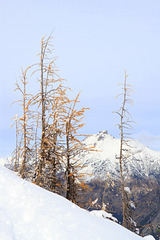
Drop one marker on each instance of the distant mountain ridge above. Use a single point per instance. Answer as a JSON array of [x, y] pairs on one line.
[[6, 161], [143, 162]]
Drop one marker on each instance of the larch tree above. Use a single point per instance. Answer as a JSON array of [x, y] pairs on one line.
[[74, 177], [15, 154], [50, 129], [45, 102], [54, 139], [23, 128]]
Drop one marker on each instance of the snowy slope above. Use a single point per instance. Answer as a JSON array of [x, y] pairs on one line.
[[28, 212], [143, 161], [5, 161]]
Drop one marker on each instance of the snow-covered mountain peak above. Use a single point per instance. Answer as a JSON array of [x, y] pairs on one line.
[[142, 162], [102, 141], [101, 136]]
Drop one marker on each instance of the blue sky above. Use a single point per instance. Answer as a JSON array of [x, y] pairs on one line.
[[94, 42]]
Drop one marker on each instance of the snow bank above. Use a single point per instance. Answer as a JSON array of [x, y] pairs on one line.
[[28, 212], [104, 214], [149, 238]]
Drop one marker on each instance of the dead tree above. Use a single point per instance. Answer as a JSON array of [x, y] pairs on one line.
[[125, 149]]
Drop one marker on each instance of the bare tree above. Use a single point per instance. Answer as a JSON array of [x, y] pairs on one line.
[[125, 149]]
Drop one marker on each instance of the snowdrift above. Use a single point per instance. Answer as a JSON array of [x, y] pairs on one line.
[[28, 212]]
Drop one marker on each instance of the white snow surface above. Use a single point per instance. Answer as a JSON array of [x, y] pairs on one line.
[[103, 214], [142, 162], [149, 238], [28, 212]]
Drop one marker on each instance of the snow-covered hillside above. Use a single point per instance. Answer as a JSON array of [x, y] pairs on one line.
[[143, 161], [28, 212]]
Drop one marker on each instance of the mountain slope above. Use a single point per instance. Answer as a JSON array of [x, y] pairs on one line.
[[28, 212], [143, 161]]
